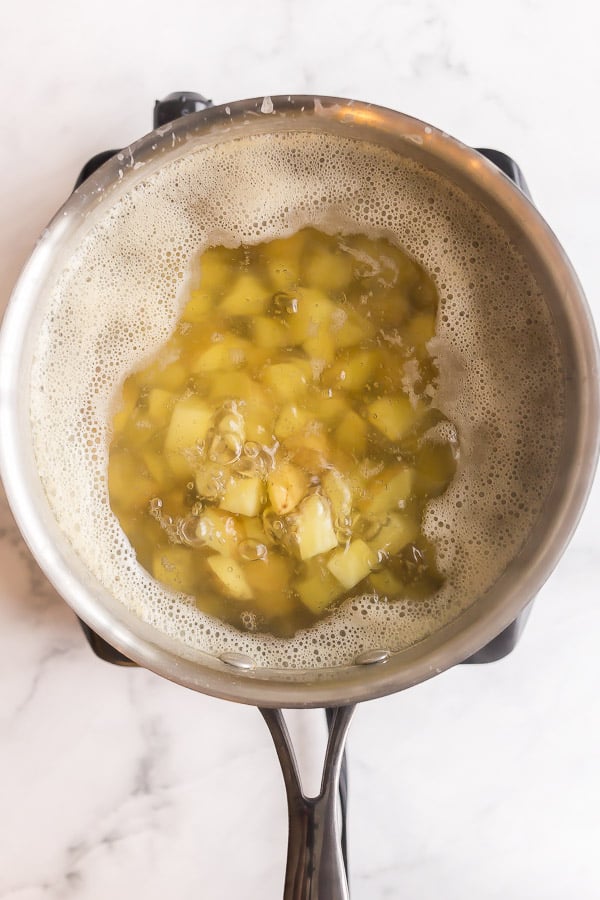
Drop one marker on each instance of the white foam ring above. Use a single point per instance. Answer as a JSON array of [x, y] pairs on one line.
[[120, 296]]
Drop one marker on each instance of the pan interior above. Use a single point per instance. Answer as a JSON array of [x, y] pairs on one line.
[[120, 293]]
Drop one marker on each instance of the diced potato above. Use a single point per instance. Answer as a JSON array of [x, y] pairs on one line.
[[244, 496], [269, 579], [176, 568], [291, 419], [190, 421], [269, 333], [353, 563], [127, 404], [351, 329], [253, 529], [231, 577], [313, 314], [327, 269], [351, 434], [216, 267], [386, 583], [259, 422], [286, 486], [353, 371], [389, 490], [282, 260], [398, 531], [129, 483], [321, 347], [313, 527], [419, 329], [435, 468], [287, 380], [311, 450], [329, 407], [393, 416], [157, 465], [318, 589], [248, 296], [198, 306], [339, 493], [219, 531], [160, 404], [229, 353], [171, 376]]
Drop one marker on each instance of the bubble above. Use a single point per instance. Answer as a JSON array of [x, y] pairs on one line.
[[251, 550]]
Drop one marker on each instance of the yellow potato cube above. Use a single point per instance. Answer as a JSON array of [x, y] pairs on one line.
[[269, 333], [291, 420], [157, 466], [339, 493], [398, 531], [329, 407], [171, 376], [286, 486], [259, 422], [353, 563], [219, 531], [231, 577], [386, 583], [248, 296], [353, 371], [351, 434], [435, 468], [389, 490], [350, 329], [321, 348], [287, 380], [176, 568], [313, 527], [129, 483], [244, 496], [394, 416], [328, 269], [190, 421], [160, 404], [216, 267], [231, 352], [318, 589], [282, 260], [127, 403], [419, 330], [198, 306], [269, 579], [313, 314]]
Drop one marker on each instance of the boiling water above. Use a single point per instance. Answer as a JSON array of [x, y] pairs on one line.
[[500, 375]]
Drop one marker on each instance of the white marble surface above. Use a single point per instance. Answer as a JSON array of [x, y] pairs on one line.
[[483, 783]]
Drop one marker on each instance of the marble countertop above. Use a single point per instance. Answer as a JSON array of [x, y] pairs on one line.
[[482, 783]]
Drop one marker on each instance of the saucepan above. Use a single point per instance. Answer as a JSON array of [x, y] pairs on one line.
[[455, 210]]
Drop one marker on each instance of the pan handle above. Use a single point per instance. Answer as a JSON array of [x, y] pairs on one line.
[[315, 865]]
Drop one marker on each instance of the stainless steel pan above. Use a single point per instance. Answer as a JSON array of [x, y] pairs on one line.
[[314, 861]]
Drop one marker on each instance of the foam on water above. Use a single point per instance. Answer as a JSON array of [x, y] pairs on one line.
[[120, 296]]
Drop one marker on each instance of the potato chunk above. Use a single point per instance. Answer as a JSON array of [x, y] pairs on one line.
[[393, 416], [318, 589], [313, 527], [287, 486], [244, 496], [189, 425], [247, 297], [231, 577], [353, 563]]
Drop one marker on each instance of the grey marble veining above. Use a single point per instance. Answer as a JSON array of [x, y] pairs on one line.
[[482, 783]]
